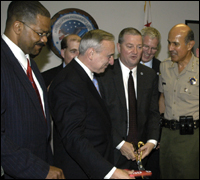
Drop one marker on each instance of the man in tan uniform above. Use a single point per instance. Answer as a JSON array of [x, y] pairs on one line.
[[179, 101]]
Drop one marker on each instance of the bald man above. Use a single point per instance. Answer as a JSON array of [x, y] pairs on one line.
[[69, 50], [179, 101]]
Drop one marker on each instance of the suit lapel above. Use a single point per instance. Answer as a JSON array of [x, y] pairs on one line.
[[118, 80], [23, 79], [83, 75], [141, 76], [156, 65]]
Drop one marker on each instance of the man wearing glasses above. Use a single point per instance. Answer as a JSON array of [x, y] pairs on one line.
[[151, 41], [25, 119]]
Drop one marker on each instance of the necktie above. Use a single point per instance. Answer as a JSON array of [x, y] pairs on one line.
[[29, 74], [96, 84], [132, 135]]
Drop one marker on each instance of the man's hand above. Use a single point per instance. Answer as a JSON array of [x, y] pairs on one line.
[[146, 149], [122, 174], [127, 150], [55, 173], [158, 146]]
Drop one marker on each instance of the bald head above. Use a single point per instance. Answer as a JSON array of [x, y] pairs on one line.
[[180, 43], [184, 31]]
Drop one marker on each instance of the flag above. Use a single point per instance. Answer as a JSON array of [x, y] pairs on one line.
[[147, 14]]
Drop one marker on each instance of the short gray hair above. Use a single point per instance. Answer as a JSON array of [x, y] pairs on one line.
[[152, 33], [93, 39]]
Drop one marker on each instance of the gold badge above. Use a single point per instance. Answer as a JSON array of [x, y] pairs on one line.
[[193, 81]]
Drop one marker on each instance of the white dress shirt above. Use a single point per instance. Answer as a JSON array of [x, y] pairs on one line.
[[22, 59]]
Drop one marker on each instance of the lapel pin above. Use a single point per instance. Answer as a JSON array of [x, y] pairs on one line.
[[141, 73]]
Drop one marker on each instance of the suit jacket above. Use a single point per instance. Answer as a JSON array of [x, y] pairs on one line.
[[112, 90], [25, 147], [156, 65], [50, 74], [82, 133]]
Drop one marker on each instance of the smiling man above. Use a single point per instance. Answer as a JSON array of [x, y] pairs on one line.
[[114, 88], [25, 119], [82, 131], [179, 87], [151, 41]]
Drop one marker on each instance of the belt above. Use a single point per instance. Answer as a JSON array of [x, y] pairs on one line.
[[174, 124]]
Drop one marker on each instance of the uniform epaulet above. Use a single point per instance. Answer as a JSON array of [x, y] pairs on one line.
[[197, 61], [166, 60]]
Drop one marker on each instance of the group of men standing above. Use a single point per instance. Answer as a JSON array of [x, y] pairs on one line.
[[93, 135]]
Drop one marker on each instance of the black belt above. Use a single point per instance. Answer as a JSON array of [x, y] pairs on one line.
[[174, 124]]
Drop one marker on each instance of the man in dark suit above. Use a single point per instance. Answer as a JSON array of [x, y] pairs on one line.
[[69, 50], [113, 86], [82, 134], [151, 43], [25, 123]]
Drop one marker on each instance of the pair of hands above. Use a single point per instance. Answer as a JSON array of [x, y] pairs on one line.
[[127, 150]]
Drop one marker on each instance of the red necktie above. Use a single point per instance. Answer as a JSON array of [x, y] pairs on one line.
[[29, 74], [132, 135]]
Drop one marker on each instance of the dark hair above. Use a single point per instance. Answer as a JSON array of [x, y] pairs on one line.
[[128, 30], [25, 11], [189, 37], [64, 42]]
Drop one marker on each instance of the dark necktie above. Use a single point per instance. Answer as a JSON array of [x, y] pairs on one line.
[[29, 74], [132, 135]]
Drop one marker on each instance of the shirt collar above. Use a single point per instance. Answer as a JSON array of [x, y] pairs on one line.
[[87, 70], [125, 70], [18, 53], [148, 64]]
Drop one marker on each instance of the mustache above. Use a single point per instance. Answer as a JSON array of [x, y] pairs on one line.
[[40, 44], [173, 52]]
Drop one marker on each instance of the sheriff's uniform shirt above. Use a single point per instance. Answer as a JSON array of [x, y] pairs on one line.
[[181, 91]]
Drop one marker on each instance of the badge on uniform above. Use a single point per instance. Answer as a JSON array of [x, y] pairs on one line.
[[193, 81]]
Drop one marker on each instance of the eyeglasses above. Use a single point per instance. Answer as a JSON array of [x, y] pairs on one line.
[[39, 34], [147, 48]]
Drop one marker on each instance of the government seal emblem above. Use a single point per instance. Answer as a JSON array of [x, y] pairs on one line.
[[69, 21]]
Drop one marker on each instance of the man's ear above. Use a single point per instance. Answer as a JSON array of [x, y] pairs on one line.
[[90, 53], [62, 52], [118, 48], [190, 45], [17, 27]]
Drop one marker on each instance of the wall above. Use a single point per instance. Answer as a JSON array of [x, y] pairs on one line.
[[113, 16]]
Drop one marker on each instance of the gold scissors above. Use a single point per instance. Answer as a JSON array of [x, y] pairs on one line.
[[138, 157]]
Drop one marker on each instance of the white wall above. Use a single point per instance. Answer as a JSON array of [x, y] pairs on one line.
[[113, 16]]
